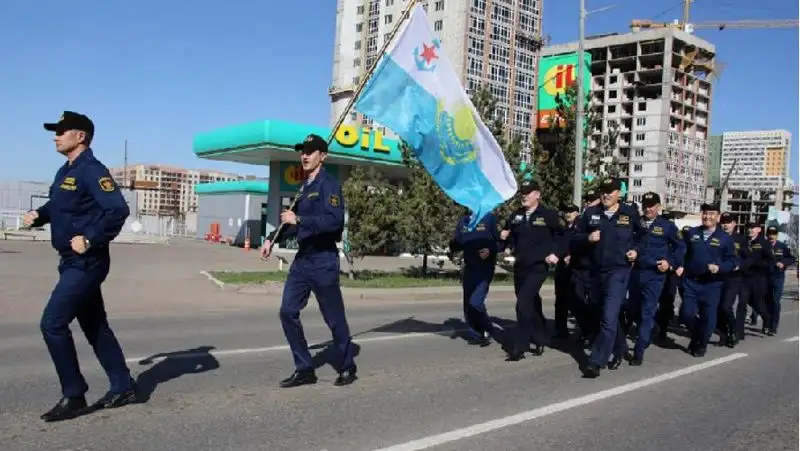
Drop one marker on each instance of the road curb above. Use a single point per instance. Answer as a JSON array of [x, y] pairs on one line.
[[415, 293], [220, 284]]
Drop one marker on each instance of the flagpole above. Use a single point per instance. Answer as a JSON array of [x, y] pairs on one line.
[[351, 102], [371, 69]]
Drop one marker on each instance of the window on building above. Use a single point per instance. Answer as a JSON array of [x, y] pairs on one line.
[[357, 62], [641, 121], [439, 5], [387, 19], [637, 168], [357, 45], [389, 2], [359, 27], [437, 26], [360, 10], [640, 136], [637, 182]]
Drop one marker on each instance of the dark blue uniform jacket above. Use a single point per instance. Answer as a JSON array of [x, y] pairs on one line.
[[662, 241], [782, 254], [320, 216], [84, 200], [532, 240], [618, 235], [486, 235], [718, 250]]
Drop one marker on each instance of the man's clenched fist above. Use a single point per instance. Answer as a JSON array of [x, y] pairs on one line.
[[29, 218]]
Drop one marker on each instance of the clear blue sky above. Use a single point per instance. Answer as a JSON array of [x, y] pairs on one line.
[[157, 73]]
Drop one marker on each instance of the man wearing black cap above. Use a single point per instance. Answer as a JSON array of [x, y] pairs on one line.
[[710, 255], [611, 232], [777, 278], [661, 251], [590, 199], [565, 292], [86, 211], [531, 232], [479, 247], [318, 224], [753, 291], [732, 287]]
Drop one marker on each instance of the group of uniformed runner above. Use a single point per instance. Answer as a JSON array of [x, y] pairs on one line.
[[613, 269], [617, 271]]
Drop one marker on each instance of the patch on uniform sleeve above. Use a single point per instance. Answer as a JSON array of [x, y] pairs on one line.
[[334, 200], [106, 184], [562, 222]]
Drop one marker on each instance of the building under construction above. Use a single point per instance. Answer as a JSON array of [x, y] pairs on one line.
[[652, 89]]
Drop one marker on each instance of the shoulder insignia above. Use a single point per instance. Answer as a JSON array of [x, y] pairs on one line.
[[106, 184], [562, 222], [334, 200]]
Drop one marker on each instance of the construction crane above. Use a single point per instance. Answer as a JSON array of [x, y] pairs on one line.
[[683, 24], [637, 25]]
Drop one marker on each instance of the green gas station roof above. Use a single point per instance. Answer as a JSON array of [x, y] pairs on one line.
[[283, 135], [233, 186]]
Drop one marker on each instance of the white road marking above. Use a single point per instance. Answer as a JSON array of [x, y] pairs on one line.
[[240, 351], [789, 340], [482, 428]]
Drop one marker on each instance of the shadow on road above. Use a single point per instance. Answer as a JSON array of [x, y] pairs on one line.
[[172, 366]]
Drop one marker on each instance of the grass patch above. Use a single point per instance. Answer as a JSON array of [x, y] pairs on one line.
[[407, 278]]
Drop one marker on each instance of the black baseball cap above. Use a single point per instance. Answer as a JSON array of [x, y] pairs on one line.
[[710, 207], [772, 230], [610, 186], [312, 143], [726, 217], [590, 196], [569, 208], [753, 225], [71, 120], [650, 199], [529, 186]]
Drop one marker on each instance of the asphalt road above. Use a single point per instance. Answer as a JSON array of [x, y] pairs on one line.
[[212, 385]]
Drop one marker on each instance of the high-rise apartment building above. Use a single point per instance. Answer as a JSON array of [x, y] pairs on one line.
[[762, 159], [489, 42], [166, 190], [652, 88]]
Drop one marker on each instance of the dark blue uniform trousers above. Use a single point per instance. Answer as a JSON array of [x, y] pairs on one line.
[[752, 292], [666, 302], [585, 308], [645, 291], [476, 282], [317, 273], [531, 323], [776, 282], [565, 297], [611, 287], [698, 312], [77, 295]]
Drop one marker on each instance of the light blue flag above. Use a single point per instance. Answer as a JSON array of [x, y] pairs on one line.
[[415, 92]]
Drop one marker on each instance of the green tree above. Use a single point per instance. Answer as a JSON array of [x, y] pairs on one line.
[[428, 216], [372, 207], [557, 162]]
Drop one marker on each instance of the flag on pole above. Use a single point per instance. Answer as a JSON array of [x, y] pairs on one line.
[[415, 92]]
